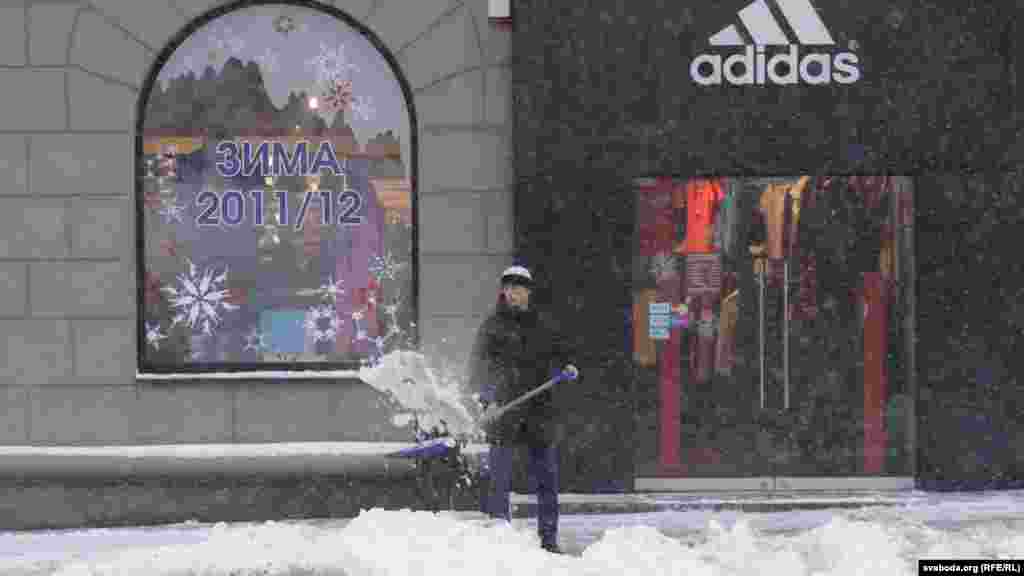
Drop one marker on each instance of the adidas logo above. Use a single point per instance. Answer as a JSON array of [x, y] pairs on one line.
[[754, 66]]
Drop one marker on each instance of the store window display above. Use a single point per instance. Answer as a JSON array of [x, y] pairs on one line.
[[275, 203], [793, 289]]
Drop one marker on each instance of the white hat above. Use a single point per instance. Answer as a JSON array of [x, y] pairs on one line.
[[517, 275]]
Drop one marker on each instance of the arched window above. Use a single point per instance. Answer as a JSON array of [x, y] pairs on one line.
[[275, 195]]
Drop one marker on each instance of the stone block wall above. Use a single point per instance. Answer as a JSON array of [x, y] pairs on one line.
[[70, 78]]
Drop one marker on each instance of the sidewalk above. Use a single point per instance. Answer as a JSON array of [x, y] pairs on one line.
[[526, 504]]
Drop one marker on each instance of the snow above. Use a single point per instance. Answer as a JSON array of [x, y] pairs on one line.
[[217, 451], [878, 540]]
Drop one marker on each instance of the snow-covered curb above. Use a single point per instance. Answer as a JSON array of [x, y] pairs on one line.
[[257, 375], [353, 459]]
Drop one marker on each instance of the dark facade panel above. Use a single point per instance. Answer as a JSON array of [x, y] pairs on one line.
[[936, 88], [603, 94]]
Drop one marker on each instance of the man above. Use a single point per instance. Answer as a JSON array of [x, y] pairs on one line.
[[515, 351]]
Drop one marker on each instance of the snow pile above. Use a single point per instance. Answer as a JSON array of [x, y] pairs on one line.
[[404, 543], [423, 388]]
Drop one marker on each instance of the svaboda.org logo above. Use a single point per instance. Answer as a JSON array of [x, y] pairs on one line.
[[755, 66]]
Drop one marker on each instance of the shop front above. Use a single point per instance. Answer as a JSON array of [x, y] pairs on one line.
[[772, 314], [753, 175]]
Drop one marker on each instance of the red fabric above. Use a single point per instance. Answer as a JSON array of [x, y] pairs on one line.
[[702, 199], [875, 378], [872, 188]]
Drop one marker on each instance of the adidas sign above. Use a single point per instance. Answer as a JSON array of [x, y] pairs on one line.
[[755, 66]]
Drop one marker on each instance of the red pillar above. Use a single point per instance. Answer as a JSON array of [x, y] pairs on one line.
[[875, 379], [669, 415]]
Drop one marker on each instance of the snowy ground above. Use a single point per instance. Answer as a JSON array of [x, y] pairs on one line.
[[877, 540]]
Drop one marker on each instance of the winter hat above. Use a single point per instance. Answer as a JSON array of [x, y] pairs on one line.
[[517, 274]]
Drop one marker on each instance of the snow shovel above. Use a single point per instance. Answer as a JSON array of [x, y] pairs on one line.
[[498, 412]]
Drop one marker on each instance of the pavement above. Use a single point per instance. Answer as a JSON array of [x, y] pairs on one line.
[[525, 505]]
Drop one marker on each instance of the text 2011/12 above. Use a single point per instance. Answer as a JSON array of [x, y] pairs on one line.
[[231, 207]]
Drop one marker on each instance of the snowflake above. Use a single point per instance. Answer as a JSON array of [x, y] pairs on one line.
[[199, 298], [664, 266], [331, 65], [154, 335], [385, 267], [255, 340], [378, 342], [337, 95], [312, 323], [328, 292], [391, 309], [171, 211]]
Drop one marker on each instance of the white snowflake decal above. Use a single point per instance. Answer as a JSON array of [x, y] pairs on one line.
[[329, 292], [171, 211], [199, 298], [379, 343], [331, 65], [256, 340], [154, 335], [312, 323], [385, 267]]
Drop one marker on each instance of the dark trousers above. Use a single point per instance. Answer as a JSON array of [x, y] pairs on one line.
[[543, 462]]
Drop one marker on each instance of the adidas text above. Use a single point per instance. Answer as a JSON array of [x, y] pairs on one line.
[[756, 67]]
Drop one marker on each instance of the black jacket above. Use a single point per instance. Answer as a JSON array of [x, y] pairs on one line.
[[514, 352]]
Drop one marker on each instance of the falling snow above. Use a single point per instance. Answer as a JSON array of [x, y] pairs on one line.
[[199, 298]]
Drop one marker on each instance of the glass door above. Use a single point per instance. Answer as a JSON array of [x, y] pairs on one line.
[[772, 326]]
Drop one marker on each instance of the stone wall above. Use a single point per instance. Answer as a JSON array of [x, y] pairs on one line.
[[70, 77]]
